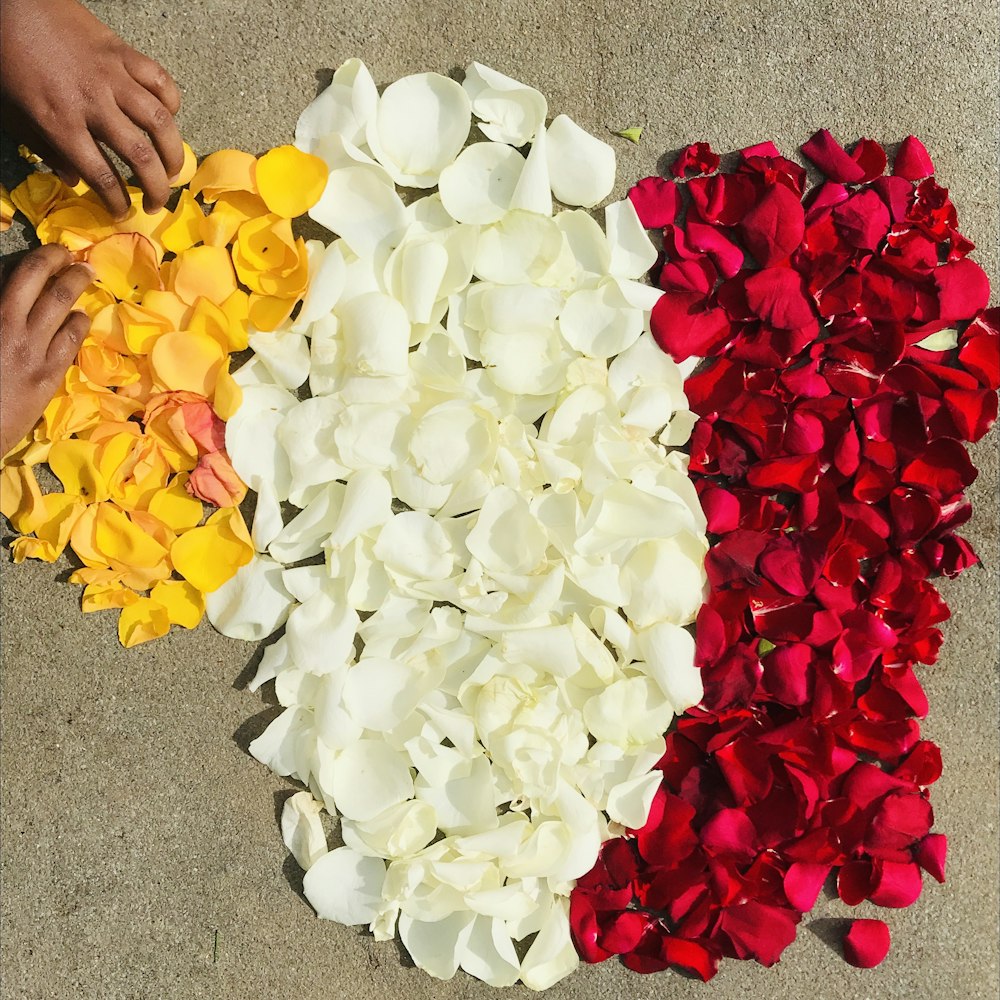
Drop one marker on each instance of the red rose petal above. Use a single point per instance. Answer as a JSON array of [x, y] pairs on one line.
[[832, 159], [772, 229], [802, 884], [779, 297], [870, 156], [862, 220], [656, 201], [931, 854], [963, 290], [866, 943], [912, 160], [896, 884], [698, 158], [684, 328]]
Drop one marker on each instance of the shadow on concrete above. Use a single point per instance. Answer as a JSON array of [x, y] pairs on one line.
[[831, 931]]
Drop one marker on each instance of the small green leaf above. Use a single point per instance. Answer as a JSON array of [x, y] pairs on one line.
[[632, 134], [764, 647]]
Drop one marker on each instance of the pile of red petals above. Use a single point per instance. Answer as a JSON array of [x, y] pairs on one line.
[[849, 355]]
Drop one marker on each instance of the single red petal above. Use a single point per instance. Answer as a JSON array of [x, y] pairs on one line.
[[803, 882], [692, 956], [854, 882], [656, 201], [730, 831], [584, 927], [832, 159], [931, 853], [979, 352], [897, 884], [773, 228], [912, 160], [870, 156], [963, 290], [766, 148], [866, 943], [684, 328], [623, 931], [711, 240], [943, 469], [759, 931]]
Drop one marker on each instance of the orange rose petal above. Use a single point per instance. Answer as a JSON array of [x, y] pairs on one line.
[[126, 265], [185, 604], [144, 620], [219, 228], [215, 481], [226, 170], [208, 556], [290, 181]]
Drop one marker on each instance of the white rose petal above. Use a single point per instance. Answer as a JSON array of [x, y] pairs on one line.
[[253, 603], [369, 777], [435, 946], [599, 322], [478, 187], [343, 108], [509, 111], [302, 829], [632, 251]]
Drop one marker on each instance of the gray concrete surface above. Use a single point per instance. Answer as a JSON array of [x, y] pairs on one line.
[[140, 851]]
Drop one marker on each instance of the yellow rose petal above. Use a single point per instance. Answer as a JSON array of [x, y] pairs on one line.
[[35, 196], [267, 313], [144, 620], [208, 556], [62, 513], [185, 604], [188, 169], [6, 209], [21, 499], [290, 181], [212, 320], [229, 213], [228, 395], [126, 265], [175, 507], [74, 464], [226, 170], [201, 271], [166, 306], [187, 361], [183, 229], [124, 543]]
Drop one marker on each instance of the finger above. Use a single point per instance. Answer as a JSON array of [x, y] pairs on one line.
[[93, 165], [58, 298], [32, 274], [66, 343], [155, 79], [150, 114], [135, 148]]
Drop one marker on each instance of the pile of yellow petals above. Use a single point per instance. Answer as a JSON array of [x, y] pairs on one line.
[[136, 433]]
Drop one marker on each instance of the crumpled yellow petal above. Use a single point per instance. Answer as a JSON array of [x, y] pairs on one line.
[[187, 361], [175, 507], [230, 212], [290, 181], [6, 209], [228, 394], [77, 224], [208, 556], [21, 500], [225, 170], [106, 367], [141, 326], [102, 596], [62, 513], [201, 271], [214, 322], [167, 306], [268, 258], [184, 603], [36, 194], [126, 265], [183, 228], [144, 620]]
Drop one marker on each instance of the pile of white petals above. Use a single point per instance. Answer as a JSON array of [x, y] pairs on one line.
[[474, 532]]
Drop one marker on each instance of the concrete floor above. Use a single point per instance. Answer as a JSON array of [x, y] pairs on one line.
[[141, 855]]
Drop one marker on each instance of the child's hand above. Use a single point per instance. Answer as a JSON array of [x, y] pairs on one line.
[[39, 335], [68, 82]]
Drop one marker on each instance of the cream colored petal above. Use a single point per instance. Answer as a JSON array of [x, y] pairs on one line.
[[345, 886], [552, 955], [581, 166], [599, 322], [632, 251], [285, 354], [302, 830], [509, 111], [419, 127], [629, 802], [435, 946], [489, 953], [375, 332], [414, 545], [534, 190], [251, 437], [369, 778], [343, 108], [506, 537], [252, 604], [668, 652], [479, 186]]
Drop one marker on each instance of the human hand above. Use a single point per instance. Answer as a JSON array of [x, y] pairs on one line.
[[40, 335], [68, 83]]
